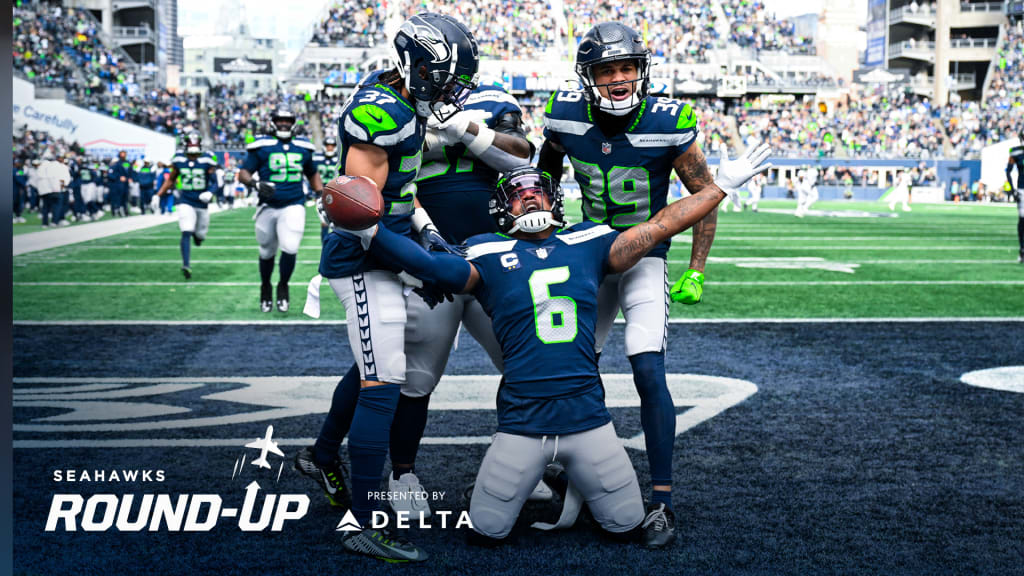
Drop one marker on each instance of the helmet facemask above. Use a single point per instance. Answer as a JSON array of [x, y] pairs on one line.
[[639, 86], [532, 191]]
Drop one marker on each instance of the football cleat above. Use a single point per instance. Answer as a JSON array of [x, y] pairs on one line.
[[186, 271], [266, 298], [383, 544], [689, 288], [411, 500], [659, 526], [331, 478], [282, 297], [197, 240]]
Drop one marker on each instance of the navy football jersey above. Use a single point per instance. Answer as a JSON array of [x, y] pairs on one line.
[[194, 177], [284, 164], [378, 115], [624, 178], [86, 174], [542, 300], [1016, 159], [326, 165], [455, 188]]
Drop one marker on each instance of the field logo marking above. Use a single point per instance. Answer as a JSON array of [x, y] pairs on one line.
[[100, 405], [1005, 378]]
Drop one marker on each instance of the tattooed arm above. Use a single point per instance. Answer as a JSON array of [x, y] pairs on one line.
[[692, 168], [633, 244]]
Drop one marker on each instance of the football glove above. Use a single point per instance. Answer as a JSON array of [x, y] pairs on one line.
[[433, 295], [324, 220], [365, 235], [206, 197], [689, 288], [452, 131], [733, 174], [265, 190], [154, 203], [432, 241]]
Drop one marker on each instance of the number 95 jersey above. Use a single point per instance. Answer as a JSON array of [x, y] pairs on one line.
[[284, 164], [624, 178]]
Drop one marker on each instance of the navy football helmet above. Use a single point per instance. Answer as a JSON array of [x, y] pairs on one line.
[[438, 60], [511, 186], [610, 42], [193, 143], [283, 122]]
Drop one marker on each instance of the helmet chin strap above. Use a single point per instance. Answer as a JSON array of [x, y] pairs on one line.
[[534, 222]]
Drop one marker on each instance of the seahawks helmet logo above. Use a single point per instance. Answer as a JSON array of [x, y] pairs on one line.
[[430, 38]]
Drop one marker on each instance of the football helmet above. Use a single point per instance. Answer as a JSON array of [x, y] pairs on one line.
[[438, 60], [283, 121], [193, 143], [330, 147], [511, 187], [610, 42]]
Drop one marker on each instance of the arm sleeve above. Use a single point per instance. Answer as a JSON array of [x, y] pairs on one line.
[[251, 164], [550, 160], [448, 271]]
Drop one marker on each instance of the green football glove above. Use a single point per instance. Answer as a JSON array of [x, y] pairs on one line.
[[689, 288]]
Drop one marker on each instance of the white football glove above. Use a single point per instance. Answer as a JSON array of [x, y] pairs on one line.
[[206, 197], [324, 220], [733, 174], [452, 130], [154, 204]]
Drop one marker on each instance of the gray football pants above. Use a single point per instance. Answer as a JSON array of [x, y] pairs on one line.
[[595, 461]]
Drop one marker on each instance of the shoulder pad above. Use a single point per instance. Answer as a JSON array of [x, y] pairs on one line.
[[582, 232], [671, 113], [303, 143], [490, 243], [260, 142], [374, 124], [179, 158]]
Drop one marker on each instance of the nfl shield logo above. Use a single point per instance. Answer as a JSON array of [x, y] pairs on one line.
[[542, 253], [606, 148]]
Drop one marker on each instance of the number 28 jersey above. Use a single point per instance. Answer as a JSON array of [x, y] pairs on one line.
[[542, 300], [194, 177], [624, 178]]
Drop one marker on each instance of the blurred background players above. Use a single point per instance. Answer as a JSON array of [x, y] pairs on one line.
[[807, 190], [755, 186], [901, 192], [120, 175], [281, 160], [195, 174], [145, 176], [326, 162], [1016, 160]]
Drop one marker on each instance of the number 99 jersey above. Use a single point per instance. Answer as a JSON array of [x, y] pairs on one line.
[[193, 177], [284, 164], [624, 178]]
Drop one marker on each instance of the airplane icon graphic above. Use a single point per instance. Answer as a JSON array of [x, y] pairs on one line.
[[265, 445]]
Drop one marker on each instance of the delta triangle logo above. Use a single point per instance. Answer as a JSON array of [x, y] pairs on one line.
[[348, 523]]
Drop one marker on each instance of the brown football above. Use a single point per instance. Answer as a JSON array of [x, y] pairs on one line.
[[353, 202]]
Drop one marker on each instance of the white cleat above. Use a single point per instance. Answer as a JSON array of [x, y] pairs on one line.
[[408, 495]]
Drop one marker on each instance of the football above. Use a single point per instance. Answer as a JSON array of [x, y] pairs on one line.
[[353, 202]]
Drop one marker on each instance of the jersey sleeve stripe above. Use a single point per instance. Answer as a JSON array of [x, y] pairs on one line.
[[489, 248], [391, 139], [584, 235], [261, 143], [573, 127], [658, 140], [491, 96], [304, 144]]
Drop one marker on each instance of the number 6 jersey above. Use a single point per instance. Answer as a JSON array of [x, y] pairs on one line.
[[624, 178], [541, 296]]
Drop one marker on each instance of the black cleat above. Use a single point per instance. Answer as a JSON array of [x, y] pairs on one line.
[[186, 271], [330, 478], [266, 298], [197, 240], [282, 297], [383, 544], [659, 527]]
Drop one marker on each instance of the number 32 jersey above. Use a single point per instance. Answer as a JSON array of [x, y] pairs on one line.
[[624, 178], [542, 300], [284, 164]]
